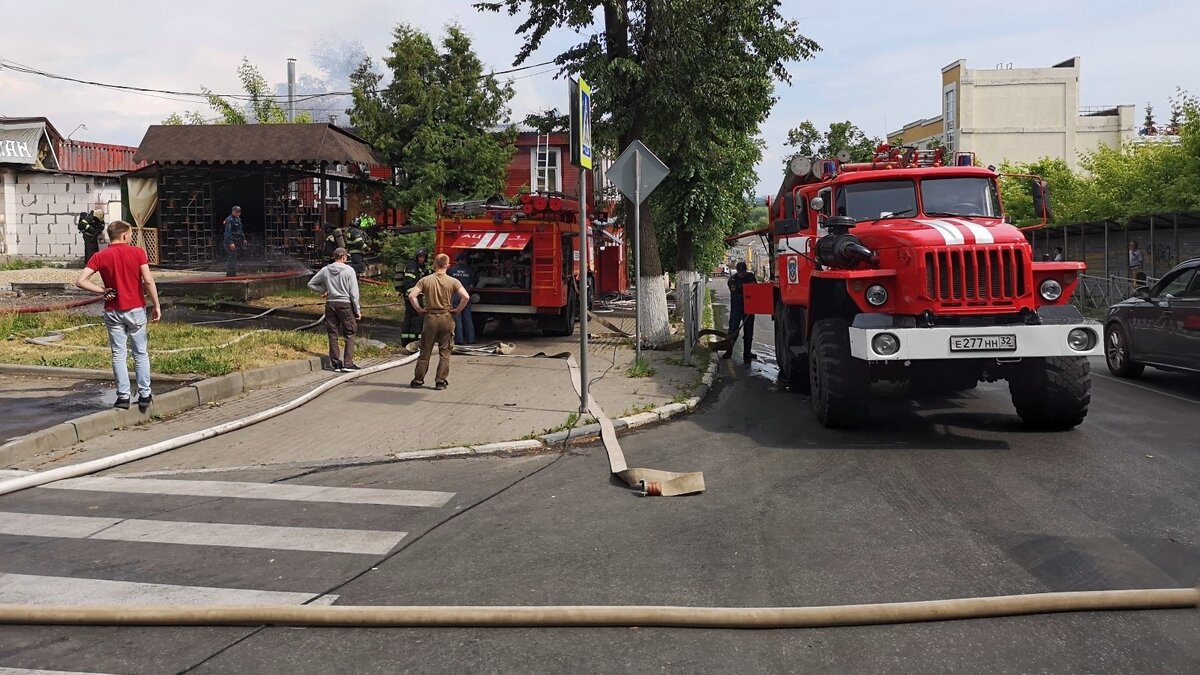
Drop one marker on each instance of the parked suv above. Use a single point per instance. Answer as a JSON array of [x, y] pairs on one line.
[[1158, 326]]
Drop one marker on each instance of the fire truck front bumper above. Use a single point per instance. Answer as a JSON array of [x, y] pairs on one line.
[[870, 340]]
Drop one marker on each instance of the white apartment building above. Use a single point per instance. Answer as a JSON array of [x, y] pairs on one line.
[[1019, 115]]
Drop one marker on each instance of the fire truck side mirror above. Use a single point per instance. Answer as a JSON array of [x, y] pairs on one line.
[[1041, 200]]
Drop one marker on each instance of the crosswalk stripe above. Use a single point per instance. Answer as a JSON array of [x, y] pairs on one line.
[[29, 671], [46, 590], [247, 490], [324, 540]]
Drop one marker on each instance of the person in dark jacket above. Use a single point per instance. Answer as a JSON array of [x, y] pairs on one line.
[[356, 244], [235, 240], [406, 278], [338, 284], [91, 226], [738, 318]]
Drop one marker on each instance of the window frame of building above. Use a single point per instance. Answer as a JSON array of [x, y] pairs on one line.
[[553, 167], [950, 116]]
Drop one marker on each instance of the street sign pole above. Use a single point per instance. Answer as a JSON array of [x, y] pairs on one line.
[[637, 257], [583, 295]]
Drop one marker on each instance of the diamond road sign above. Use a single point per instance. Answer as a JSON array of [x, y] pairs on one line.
[[622, 171]]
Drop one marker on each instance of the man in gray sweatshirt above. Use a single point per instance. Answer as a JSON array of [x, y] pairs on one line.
[[338, 284]]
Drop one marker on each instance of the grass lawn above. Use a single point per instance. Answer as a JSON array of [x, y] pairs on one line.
[[259, 349], [370, 295]]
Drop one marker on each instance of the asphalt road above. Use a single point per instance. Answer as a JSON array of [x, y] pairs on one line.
[[941, 498]]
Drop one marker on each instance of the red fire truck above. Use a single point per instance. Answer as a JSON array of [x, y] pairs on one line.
[[525, 258], [905, 269]]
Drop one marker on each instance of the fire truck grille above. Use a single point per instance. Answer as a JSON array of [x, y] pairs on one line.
[[975, 277]]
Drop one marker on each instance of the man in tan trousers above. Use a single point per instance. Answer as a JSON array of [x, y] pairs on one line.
[[439, 290]]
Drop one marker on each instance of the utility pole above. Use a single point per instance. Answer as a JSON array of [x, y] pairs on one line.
[[291, 70]]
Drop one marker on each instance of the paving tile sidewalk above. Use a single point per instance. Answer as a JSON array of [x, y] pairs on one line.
[[377, 416]]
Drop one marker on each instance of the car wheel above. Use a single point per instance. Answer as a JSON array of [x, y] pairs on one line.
[[1117, 353]]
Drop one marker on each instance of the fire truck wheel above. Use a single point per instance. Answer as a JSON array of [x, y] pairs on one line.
[[840, 384], [793, 368], [563, 323], [1051, 393]]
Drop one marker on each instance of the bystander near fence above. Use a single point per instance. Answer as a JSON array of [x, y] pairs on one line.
[[1165, 239]]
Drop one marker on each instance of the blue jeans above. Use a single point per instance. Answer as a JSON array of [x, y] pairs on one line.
[[464, 327], [123, 327]]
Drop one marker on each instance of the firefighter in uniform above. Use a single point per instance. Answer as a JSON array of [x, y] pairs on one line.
[[356, 244], [91, 226], [406, 278], [335, 238], [738, 318]]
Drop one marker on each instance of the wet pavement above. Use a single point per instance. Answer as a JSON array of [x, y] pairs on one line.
[[31, 403]]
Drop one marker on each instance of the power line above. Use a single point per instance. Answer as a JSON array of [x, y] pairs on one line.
[[160, 93]]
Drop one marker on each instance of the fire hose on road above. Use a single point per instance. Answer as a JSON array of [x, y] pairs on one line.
[[652, 482], [580, 616]]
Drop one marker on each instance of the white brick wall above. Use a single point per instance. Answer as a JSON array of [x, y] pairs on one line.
[[41, 209]]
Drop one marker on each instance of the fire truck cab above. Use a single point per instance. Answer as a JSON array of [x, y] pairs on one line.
[[524, 259], [905, 269]]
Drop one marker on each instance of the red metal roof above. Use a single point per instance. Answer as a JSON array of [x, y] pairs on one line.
[[88, 157]]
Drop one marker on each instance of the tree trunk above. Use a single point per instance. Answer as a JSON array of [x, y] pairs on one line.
[[656, 327], [685, 265]]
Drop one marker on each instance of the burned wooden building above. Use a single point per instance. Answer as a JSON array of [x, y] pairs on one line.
[[290, 180]]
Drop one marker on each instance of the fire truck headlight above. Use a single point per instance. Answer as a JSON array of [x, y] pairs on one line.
[[1050, 290], [1081, 339], [877, 295], [885, 344]]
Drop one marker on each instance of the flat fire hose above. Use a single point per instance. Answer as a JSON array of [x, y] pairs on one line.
[[650, 481], [602, 615]]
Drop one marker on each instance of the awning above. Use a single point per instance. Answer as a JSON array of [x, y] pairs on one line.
[[504, 241], [19, 143]]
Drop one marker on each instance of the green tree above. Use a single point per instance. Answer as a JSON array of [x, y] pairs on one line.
[[808, 141], [685, 76], [436, 118], [258, 105], [1071, 197], [1149, 126]]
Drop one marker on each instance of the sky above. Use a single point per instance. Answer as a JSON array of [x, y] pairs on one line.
[[880, 64]]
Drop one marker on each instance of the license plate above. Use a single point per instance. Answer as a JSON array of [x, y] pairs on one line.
[[983, 343]]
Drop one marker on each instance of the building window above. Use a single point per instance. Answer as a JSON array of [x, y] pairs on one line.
[[949, 115], [545, 169]]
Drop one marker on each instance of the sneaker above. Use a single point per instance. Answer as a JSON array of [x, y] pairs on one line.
[[350, 368], [144, 402], [416, 384], [441, 385], [749, 356], [122, 403], [335, 366]]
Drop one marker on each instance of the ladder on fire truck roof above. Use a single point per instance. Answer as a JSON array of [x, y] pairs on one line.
[[541, 158]]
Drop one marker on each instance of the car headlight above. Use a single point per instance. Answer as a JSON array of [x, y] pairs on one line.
[[1050, 290], [877, 295], [1081, 339], [885, 344]]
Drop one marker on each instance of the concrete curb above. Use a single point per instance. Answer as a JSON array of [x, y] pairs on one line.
[[174, 402], [584, 434]]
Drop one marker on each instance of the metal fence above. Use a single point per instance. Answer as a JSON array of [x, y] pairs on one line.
[[1165, 239], [691, 300]]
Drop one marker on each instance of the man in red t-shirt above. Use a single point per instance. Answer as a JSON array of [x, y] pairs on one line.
[[124, 268]]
